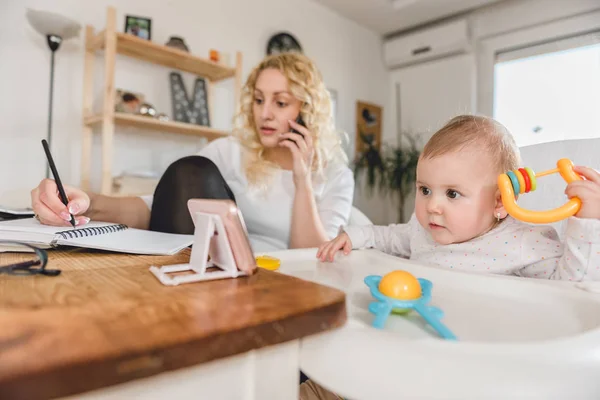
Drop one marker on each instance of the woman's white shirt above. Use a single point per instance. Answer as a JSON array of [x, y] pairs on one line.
[[268, 214]]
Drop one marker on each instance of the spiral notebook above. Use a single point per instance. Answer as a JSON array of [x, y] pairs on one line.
[[14, 213], [95, 235]]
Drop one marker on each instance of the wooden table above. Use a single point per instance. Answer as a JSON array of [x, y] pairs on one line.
[[107, 320]]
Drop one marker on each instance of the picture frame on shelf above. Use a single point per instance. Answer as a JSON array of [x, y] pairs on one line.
[[138, 26]]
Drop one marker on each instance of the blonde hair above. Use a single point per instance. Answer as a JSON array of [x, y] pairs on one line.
[[471, 130], [306, 84]]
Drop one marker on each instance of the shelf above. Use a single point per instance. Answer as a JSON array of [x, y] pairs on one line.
[[145, 50], [109, 42], [142, 122]]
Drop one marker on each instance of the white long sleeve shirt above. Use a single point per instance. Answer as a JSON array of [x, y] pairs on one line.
[[268, 215], [512, 248]]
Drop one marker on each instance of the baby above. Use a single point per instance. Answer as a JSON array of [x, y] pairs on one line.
[[461, 224]]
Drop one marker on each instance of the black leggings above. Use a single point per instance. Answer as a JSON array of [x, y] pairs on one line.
[[192, 177]]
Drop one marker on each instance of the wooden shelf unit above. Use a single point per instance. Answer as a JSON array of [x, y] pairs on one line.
[[111, 43]]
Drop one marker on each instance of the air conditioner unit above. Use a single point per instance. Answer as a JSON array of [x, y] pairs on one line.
[[437, 41]]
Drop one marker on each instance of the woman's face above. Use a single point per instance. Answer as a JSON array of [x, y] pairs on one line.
[[273, 107]]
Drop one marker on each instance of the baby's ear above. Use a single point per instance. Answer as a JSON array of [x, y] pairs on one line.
[[499, 207]]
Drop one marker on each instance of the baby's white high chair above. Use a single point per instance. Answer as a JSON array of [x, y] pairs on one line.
[[517, 338]]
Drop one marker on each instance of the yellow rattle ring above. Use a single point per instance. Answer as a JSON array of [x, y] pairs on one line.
[[509, 186]]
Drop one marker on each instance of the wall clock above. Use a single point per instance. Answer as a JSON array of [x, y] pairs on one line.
[[283, 42]]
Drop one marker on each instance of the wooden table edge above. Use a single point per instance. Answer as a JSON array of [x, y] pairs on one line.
[[79, 378]]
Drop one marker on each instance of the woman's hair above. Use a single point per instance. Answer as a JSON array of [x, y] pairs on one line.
[[471, 130], [306, 84]]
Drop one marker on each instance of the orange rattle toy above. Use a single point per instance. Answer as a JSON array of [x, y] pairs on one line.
[[523, 180], [400, 285], [400, 292]]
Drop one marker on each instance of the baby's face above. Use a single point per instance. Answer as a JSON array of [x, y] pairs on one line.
[[456, 195]]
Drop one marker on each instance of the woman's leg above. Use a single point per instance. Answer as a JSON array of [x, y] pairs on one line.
[[310, 390], [192, 177], [303, 378]]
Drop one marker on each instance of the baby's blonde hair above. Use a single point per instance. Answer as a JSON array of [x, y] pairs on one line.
[[306, 84], [483, 132]]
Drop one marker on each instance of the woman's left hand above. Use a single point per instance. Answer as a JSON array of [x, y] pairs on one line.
[[301, 146]]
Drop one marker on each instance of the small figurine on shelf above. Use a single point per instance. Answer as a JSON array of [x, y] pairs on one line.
[[177, 43], [128, 102], [214, 55], [147, 109]]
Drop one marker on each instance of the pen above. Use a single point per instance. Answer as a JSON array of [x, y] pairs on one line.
[[61, 189]]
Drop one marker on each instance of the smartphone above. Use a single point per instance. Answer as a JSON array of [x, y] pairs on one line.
[[300, 121], [235, 228]]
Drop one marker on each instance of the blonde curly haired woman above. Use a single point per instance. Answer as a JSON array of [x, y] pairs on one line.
[[293, 189]]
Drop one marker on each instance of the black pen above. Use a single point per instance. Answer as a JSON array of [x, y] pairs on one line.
[[61, 189]]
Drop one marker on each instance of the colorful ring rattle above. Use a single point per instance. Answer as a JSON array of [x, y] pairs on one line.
[[523, 180]]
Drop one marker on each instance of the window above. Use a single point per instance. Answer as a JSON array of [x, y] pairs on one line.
[[551, 91]]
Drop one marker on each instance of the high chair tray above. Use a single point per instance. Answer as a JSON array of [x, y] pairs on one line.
[[517, 337]]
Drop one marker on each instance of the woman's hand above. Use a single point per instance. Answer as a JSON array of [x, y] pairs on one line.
[[301, 146], [588, 191], [50, 210]]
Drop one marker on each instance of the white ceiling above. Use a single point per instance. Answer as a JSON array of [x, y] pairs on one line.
[[389, 16]]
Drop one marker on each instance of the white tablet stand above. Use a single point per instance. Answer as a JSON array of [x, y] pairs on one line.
[[210, 238]]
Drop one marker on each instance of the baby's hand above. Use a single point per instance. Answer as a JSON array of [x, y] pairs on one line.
[[327, 250], [588, 192]]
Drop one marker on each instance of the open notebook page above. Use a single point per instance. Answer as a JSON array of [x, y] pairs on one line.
[[33, 225], [30, 230], [130, 240], [135, 241]]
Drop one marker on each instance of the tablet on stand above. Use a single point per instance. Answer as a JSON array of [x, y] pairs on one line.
[[221, 248]]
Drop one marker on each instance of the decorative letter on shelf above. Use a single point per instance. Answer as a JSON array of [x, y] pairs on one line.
[[194, 110]]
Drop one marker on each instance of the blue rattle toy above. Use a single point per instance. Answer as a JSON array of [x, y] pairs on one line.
[[400, 292]]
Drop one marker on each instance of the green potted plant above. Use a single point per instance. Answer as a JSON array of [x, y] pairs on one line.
[[391, 171], [401, 170]]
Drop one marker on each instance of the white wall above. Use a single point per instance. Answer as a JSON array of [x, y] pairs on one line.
[[348, 55]]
